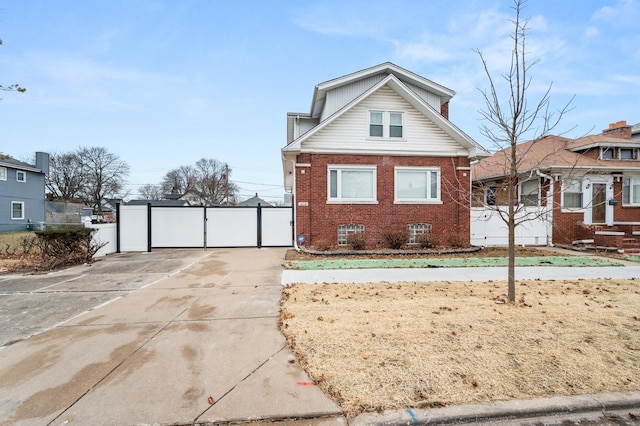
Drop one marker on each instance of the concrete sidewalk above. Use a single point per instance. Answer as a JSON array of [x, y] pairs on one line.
[[201, 345], [456, 274]]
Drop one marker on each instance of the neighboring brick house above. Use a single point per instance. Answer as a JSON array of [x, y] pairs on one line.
[[22, 193], [583, 189], [377, 152]]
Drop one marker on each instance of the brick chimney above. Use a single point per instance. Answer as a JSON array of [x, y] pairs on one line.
[[618, 130]]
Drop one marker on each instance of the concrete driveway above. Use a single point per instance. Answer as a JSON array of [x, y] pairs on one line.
[[169, 337]]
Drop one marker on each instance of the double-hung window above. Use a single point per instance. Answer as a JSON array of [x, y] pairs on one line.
[[3, 173], [417, 185], [631, 190], [386, 124], [572, 194], [21, 176], [351, 184], [490, 195], [529, 192], [17, 210]]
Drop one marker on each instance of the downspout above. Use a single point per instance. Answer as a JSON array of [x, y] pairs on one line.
[[550, 195], [295, 210], [293, 204]]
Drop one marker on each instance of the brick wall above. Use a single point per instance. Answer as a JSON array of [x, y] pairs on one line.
[[618, 130], [318, 221], [444, 110]]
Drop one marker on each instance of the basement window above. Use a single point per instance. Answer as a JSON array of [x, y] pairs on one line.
[[345, 230], [417, 229]]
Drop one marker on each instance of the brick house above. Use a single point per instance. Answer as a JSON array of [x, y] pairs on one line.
[[584, 190], [377, 152]]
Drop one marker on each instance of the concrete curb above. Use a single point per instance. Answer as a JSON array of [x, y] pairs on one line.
[[503, 410]]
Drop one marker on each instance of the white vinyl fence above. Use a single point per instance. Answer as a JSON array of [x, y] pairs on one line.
[[105, 234], [488, 229], [142, 228]]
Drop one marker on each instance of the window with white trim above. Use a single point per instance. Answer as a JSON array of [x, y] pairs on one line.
[[3, 173], [17, 210], [351, 183], [386, 124], [417, 184], [627, 154], [572, 194], [490, 195], [345, 230], [631, 191], [529, 192], [606, 154], [417, 229], [21, 176]]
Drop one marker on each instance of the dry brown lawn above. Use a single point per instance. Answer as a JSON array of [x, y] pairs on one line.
[[388, 346]]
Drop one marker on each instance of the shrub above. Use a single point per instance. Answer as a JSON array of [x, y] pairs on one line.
[[457, 239], [425, 240], [395, 238], [322, 245], [66, 246], [357, 241]]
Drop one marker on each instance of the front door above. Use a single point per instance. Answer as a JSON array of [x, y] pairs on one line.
[[599, 203]]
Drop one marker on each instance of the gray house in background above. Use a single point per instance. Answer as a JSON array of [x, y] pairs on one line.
[[22, 193], [254, 202]]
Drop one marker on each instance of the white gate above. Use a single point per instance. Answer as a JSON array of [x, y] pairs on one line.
[[177, 227], [141, 228], [488, 229]]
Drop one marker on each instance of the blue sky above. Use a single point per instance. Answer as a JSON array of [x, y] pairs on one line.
[[164, 83]]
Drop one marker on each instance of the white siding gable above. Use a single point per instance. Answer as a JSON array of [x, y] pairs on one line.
[[349, 133], [341, 96]]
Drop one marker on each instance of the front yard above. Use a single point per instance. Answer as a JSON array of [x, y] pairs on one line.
[[416, 344]]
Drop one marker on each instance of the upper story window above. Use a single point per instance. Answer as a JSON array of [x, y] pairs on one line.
[[375, 124], [351, 184], [572, 194], [529, 192], [606, 153], [612, 153], [386, 124], [3, 173], [417, 184], [627, 154], [21, 176]]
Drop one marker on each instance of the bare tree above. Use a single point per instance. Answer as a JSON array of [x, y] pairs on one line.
[[11, 87], [179, 181], [104, 175], [206, 183], [66, 177], [151, 192], [511, 119]]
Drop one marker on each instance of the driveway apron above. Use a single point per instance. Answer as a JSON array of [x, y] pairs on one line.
[[201, 345]]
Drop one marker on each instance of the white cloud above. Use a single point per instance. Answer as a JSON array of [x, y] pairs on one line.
[[623, 13], [591, 32], [423, 50]]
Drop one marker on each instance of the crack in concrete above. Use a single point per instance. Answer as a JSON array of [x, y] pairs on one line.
[[240, 382], [145, 343]]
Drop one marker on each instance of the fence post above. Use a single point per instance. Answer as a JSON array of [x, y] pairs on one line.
[[149, 227], [259, 225], [117, 227], [205, 227]]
